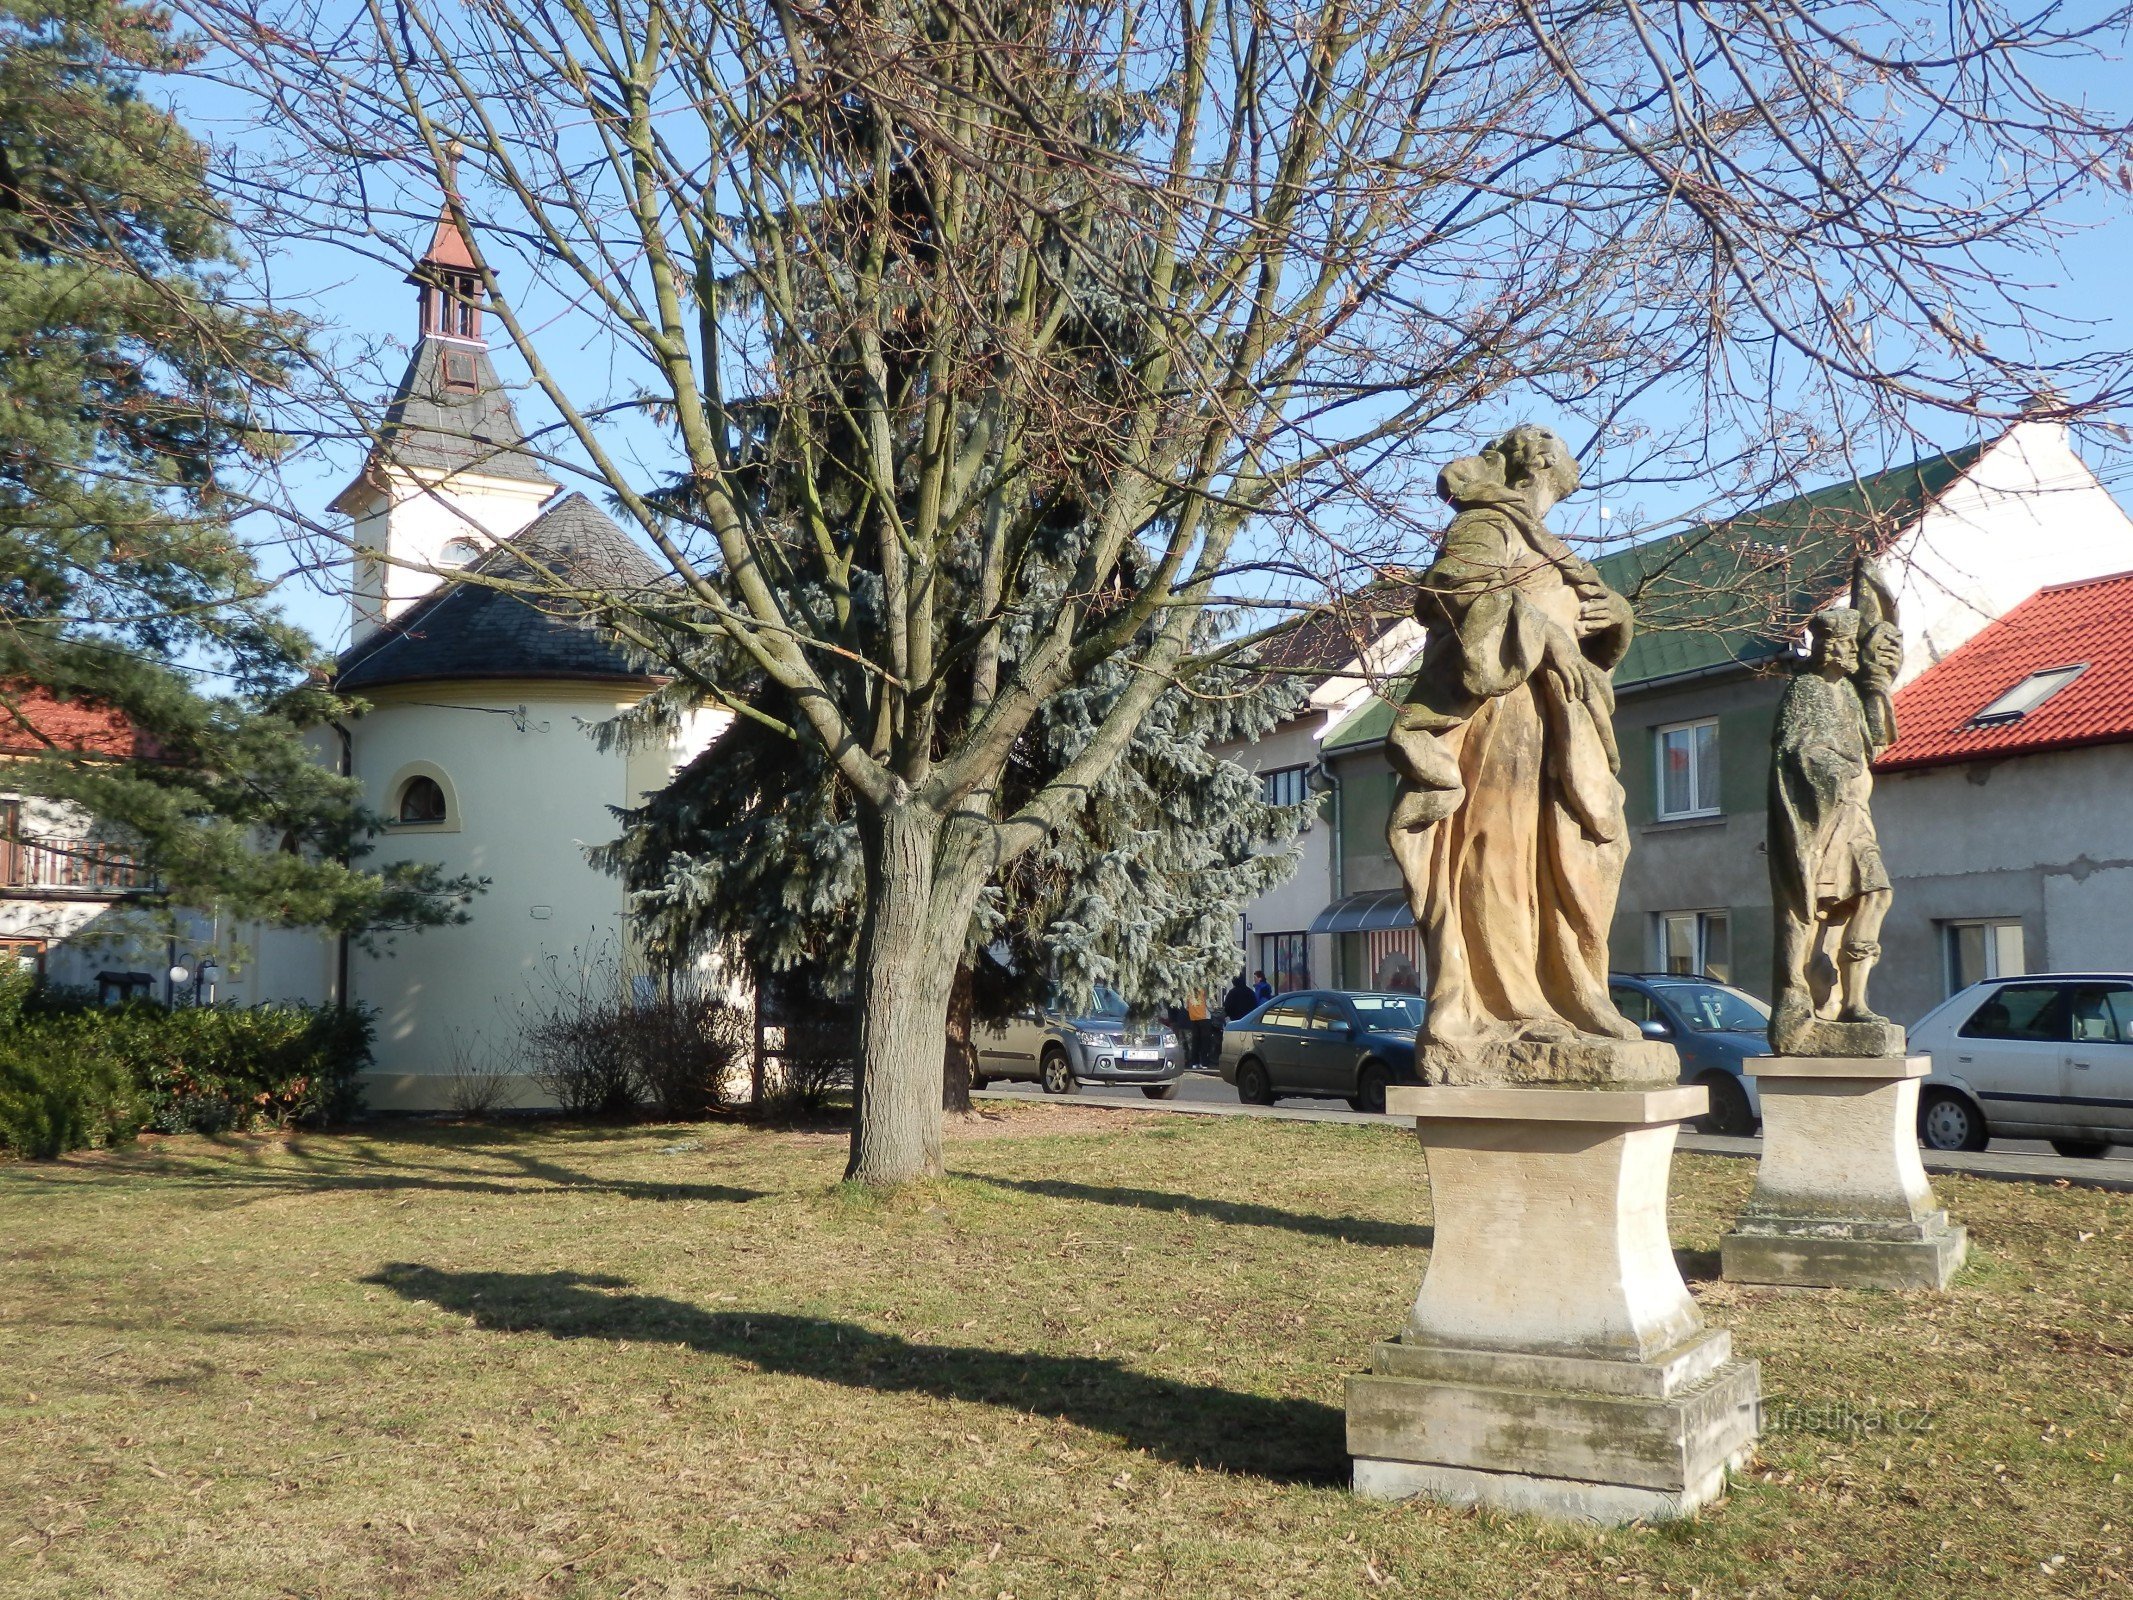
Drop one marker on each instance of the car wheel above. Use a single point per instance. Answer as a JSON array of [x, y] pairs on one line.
[[978, 1081], [1057, 1074], [1949, 1121], [1253, 1086], [2081, 1149], [1730, 1113], [1160, 1091], [1370, 1086]]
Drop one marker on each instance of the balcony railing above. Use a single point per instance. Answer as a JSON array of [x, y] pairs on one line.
[[54, 865]]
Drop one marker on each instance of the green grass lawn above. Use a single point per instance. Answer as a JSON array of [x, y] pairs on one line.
[[1104, 1358]]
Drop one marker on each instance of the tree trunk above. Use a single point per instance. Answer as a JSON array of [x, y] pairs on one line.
[[906, 968], [959, 1063]]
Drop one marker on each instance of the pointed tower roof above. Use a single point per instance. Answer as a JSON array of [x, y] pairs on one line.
[[450, 413]]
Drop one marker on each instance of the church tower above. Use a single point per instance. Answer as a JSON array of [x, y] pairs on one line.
[[448, 476]]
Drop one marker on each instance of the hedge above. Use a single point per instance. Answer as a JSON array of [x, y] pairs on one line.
[[73, 1073]]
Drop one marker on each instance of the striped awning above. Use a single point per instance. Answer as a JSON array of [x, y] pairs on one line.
[[1365, 911]]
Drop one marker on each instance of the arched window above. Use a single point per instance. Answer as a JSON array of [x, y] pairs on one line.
[[457, 552], [422, 801]]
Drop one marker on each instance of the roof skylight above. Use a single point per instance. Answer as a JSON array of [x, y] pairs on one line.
[[2027, 695]]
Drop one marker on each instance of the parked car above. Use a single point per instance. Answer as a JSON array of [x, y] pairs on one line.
[[2045, 1056], [1715, 1028], [1324, 1042], [1060, 1050]]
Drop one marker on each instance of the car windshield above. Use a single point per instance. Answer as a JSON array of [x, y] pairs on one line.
[[1712, 1008], [1107, 1004], [1387, 1010]]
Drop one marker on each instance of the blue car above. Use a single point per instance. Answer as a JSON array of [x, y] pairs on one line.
[[1323, 1042], [1713, 1026]]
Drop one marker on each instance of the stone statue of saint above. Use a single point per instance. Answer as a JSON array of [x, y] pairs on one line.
[[1828, 887], [1509, 826]]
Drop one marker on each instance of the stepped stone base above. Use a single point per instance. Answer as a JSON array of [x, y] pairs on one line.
[[1580, 1440], [1841, 1199], [1553, 1362]]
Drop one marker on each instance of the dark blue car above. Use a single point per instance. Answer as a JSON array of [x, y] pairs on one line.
[[1713, 1026], [1323, 1042]]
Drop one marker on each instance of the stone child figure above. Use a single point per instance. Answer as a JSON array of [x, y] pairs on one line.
[[1828, 886], [1509, 825]]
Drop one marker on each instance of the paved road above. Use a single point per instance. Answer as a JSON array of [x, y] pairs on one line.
[[2029, 1160]]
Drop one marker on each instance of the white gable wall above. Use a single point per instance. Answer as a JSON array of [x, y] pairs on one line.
[[2029, 513]]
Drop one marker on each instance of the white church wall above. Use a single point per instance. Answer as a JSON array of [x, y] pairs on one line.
[[421, 520], [532, 792]]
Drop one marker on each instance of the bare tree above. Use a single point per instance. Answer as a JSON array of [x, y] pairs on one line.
[[1057, 321]]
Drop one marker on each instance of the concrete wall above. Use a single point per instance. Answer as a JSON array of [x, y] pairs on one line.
[[2047, 838]]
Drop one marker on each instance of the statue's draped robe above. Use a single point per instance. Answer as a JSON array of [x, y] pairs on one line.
[[1510, 805], [1823, 850]]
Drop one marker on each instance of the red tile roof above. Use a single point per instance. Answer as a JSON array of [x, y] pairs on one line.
[[33, 723], [2087, 624]]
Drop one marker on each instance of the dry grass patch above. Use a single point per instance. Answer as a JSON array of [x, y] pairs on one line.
[[1104, 1358]]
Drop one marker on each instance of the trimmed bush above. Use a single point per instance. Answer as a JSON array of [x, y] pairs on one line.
[[73, 1073]]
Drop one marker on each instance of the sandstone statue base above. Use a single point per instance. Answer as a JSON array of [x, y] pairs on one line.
[[1820, 1036], [1646, 1063], [1841, 1199], [1554, 1362]]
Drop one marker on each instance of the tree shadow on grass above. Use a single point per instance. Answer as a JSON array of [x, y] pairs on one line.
[[1287, 1441], [1348, 1230], [352, 1165]]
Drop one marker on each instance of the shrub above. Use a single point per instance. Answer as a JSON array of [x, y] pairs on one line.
[[685, 1048], [600, 1044], [73, 1073]]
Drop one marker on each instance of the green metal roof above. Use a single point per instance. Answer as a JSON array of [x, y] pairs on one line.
[[1739, 591], [1367, 724]]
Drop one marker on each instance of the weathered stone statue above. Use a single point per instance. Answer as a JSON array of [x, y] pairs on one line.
[[1509, 825], [1828, 887]]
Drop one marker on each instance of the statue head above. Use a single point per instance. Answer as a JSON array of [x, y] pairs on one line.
[[1530, 461], [1833, 641]]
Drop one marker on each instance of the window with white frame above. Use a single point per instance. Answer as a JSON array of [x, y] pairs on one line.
[[1987, 947], [1688, 769], [1696, 944], [1285, 786]]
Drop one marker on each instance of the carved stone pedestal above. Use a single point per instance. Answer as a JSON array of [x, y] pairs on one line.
[[1554, 1362], [1841, 1198]]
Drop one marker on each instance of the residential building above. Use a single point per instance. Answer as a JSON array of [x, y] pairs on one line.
[[1340, 656], [2002, 806], [66, 887]]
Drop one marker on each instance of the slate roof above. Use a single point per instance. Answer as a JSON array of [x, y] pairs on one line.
[[1738, 592], [2087, 624], [435, 427], [467, 630]]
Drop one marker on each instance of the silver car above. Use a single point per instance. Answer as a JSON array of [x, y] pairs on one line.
[[2046, 1056], [1058, 1051]]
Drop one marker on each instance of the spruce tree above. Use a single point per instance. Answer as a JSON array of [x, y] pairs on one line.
[[130, 373], [754, 848]]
